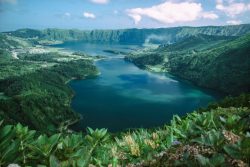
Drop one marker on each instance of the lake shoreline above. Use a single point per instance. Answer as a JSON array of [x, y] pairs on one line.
[[157, 69], [116, 72]]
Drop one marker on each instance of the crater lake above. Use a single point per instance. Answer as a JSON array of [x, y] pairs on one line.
[[124, 96]]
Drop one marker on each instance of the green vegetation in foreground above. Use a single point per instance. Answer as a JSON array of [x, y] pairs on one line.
[[219, 63], [217, 137], [33, 88]]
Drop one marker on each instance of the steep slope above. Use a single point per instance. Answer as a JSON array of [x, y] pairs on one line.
[[33, 88], [139, 36], [196, 42], [211, 62], [11, 42]]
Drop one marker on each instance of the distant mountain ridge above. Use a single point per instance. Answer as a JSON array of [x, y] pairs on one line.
[[139, 36]]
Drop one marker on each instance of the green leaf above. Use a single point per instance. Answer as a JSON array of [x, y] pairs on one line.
[[90, 130], [82, 162], [114, 162], [202, 160], [217, 160], [245, 146], [222, 119], [8, 155], [5, 131], [233, 150], [53, 161], [1, 122], [170, 138]]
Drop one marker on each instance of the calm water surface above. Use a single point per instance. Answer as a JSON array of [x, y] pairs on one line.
[[124, 96]]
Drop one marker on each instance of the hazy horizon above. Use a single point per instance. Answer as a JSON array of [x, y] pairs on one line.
[[116, 28]]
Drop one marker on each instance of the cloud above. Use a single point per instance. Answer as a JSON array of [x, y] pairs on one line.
[[234, 22], [210, 15], [232, 9], [100, 1], [170, 12], [9, 1], [136, 17], [89, 15]]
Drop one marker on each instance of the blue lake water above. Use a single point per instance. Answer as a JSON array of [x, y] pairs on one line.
[[124, 96]]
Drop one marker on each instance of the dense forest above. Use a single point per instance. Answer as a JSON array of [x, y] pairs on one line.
[[35, 111], [33, 89], [219, 63]]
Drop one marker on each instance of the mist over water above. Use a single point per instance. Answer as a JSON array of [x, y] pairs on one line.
[[124, 96], [153, 38]]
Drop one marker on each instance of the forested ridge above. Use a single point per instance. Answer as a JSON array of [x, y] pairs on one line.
[[219, 63], [139, 36]]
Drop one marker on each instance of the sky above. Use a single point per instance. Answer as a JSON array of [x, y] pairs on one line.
[[120, 14]]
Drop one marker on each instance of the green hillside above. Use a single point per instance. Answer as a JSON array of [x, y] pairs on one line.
[[11, 42], [208, 61], [196, 42], [33, 88], [139, 36]]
